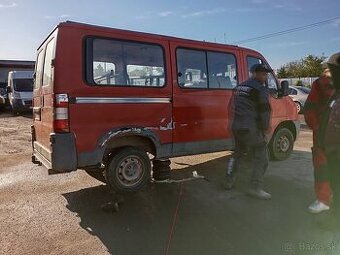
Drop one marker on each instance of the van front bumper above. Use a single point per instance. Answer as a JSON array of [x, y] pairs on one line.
[[21, 105], [62, 156]]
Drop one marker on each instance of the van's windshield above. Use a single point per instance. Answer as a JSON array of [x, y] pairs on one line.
[[23, 85]]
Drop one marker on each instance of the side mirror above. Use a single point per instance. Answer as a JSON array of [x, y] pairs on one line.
[[284, 90]]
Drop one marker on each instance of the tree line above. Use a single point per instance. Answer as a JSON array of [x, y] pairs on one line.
[[309, 66]]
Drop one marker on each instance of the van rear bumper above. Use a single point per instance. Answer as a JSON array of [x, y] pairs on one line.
[[61, 158]]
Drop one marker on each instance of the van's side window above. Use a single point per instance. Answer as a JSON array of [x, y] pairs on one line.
[[49, 55], [222, 70], [252, 61], [192, 68], [206, 69], [124, 63], [39, 69], [271, 81]]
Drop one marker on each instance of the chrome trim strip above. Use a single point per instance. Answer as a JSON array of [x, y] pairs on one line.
[[122, 100]]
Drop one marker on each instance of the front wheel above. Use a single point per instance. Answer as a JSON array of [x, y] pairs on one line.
[[129, 170], [281, 144]]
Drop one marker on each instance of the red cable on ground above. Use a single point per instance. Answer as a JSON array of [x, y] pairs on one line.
[[174, 220]]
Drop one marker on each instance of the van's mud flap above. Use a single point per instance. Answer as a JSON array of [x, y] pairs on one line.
[[62, 157], [64, 154]]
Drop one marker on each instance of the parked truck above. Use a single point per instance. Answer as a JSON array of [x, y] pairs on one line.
[[20, 90], [7, 66]]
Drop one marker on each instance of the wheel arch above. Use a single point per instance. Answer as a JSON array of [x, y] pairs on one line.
[[139, 141], [129, 137]]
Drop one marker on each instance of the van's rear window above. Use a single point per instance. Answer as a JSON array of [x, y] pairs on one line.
[[124, 63]]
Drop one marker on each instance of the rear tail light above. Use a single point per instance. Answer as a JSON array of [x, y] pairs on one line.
[[61, 120]]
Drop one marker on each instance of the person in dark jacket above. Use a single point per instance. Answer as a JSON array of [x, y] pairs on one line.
[[252, 116]]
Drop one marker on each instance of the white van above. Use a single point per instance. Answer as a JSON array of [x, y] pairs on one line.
[[20, 90]]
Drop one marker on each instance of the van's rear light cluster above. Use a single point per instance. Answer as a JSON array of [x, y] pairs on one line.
[[61, 120]]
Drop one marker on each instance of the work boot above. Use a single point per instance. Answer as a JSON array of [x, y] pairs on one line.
[[259, 193], [229, 182]]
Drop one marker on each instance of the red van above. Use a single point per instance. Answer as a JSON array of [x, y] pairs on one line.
[[109, 100]]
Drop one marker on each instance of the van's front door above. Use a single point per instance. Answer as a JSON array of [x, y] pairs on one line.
[[203, 82], [279, 107]]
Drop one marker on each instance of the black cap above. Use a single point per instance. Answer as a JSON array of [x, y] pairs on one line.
[[334, 60], [260, 68]]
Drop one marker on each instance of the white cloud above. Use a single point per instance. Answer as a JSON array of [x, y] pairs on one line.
[[279, 4], [9, 5], [62, 16], [336, 23], [165, 14], [150, 15], [204, 13]]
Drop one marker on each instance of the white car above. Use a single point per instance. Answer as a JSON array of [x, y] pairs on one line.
[[299, 96]]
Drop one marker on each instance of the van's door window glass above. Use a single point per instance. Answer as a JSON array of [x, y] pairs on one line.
[[251, 61], [222, 70], [48, 63], [39, 69], [271, 82], [192, 68], [116, 62]]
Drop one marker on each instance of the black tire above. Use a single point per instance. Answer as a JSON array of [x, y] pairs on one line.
[[98, 175], [161, 169], [281, 144], [129, 170], [161, 163]]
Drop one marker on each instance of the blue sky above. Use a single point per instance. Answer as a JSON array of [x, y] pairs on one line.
[[25, 23]]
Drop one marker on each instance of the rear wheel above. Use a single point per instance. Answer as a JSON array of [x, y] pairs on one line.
[[281, 144], [129, 170]]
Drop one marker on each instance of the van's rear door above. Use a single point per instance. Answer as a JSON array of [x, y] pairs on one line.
[[43, 101]]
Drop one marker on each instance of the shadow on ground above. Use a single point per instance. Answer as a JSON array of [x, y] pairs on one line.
[[8, 114], [211, 220]]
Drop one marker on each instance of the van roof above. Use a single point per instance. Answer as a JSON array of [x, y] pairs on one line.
[[17, 63], [142, 34]]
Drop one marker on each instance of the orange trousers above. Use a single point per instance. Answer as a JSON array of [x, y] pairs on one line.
[[321, 174]]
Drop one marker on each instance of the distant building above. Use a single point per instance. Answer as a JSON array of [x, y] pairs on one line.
[[12, 65]]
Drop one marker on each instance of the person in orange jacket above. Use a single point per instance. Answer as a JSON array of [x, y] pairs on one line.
[[322, 90]]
